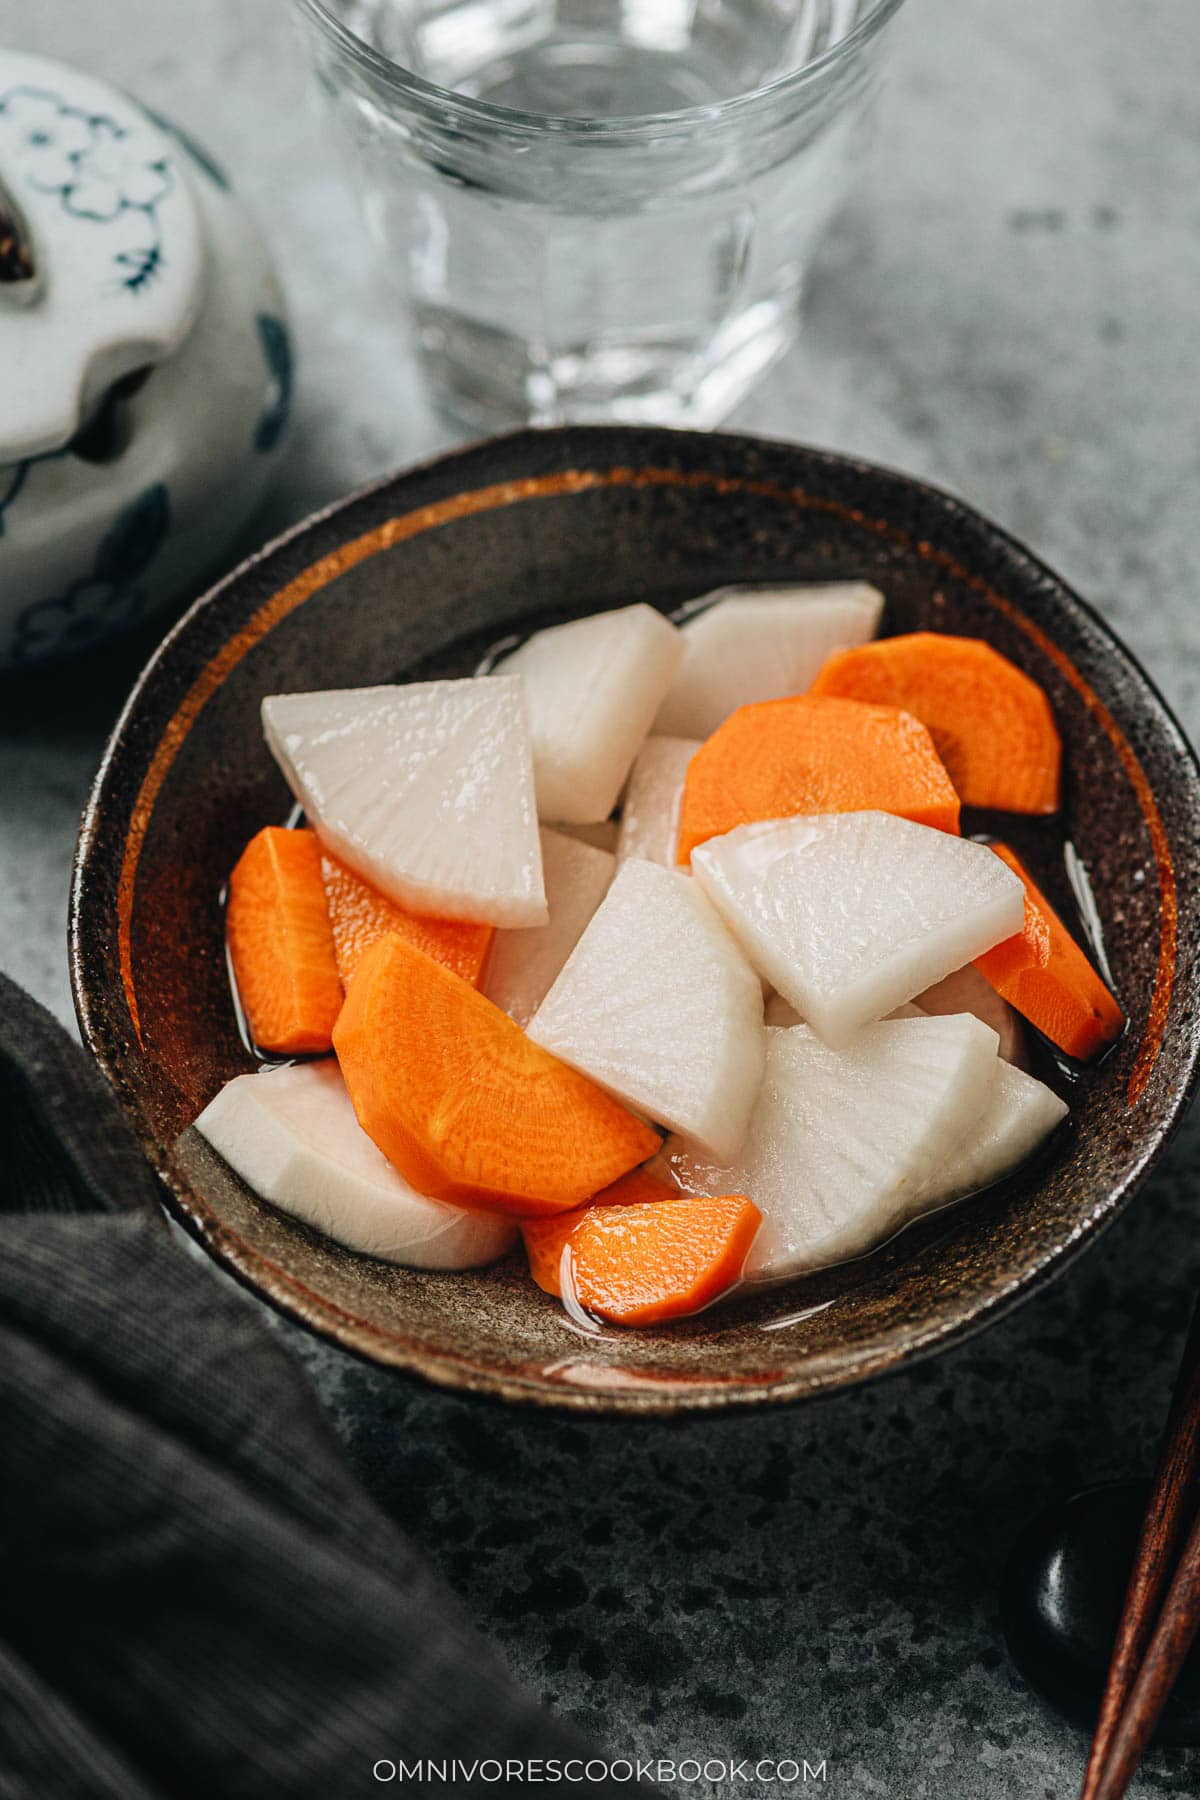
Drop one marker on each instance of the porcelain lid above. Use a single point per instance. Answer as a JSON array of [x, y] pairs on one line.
[[102, 254]]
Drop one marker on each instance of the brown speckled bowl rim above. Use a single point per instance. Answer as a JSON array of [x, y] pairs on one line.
[[99, 1006]]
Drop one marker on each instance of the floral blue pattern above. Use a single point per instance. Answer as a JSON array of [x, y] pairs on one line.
[[12, 480], [199, 155], [277, 349], [110, 596], [13, 477], [95, 167]]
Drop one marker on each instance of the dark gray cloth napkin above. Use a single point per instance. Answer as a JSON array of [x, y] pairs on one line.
[[195, 1596]]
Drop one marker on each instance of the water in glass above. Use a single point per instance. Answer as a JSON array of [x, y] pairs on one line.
[[573, 258]]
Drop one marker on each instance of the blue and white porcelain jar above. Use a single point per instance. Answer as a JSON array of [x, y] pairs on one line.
[[145, 364]]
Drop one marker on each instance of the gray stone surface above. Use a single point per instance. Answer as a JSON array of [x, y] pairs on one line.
[[1009, 308]]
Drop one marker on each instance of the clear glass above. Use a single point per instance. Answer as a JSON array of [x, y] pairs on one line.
[[598, 209]]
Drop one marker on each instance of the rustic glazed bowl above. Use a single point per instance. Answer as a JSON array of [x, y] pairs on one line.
[[418, 576]]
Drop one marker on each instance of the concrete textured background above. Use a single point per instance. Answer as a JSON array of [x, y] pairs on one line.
[[1009, 308]]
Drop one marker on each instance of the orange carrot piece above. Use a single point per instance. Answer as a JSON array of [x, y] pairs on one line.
[[990, 724], [280, 942], [361, 915], [644, 1263], [1043, 973], [778, 758], [463, 1103], [639, 1188]]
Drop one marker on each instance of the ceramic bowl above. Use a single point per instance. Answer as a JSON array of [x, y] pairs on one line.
[[418, 576]]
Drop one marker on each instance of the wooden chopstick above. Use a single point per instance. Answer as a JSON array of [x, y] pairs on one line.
[[1150, 1645], [1173, 1636]]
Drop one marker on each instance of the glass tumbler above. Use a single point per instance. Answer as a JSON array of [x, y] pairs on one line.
[[598, 209]]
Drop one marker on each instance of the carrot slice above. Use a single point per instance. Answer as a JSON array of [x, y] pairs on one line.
[[641, 1264], [778, 758], [463, 1103], [1046, 976], [280, 942], [990, 724], [544, 1242], [361, 915], [639, 1188]]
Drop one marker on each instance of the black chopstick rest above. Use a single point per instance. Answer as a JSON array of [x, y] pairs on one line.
[[1063, 1589]]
